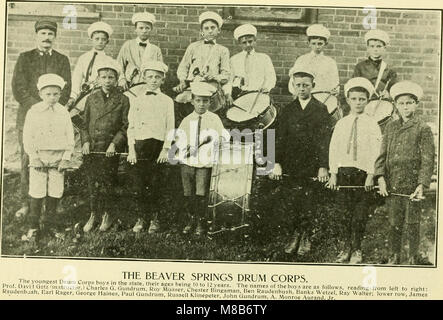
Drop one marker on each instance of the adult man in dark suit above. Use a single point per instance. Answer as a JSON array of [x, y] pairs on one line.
[[29, 67], [303, 132]]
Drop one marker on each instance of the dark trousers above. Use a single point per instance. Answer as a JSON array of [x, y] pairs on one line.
[[24, 170], [101, 173], [401, 211], [146, 176], [357, 204], [301, 196]]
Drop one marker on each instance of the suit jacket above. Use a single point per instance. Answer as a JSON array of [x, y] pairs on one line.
[[302, 138], [369, 69], [29, 67], [407, 155], [105, 120]]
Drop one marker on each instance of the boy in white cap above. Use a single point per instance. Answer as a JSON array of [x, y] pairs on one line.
[[405, 165], [104, 130], [48, 139], [354, 147], [134, 53], [303, 131], [205, 60], [250, 70], [198, 157], [85, 71], [324, 67], [374, 68], [151, 119]]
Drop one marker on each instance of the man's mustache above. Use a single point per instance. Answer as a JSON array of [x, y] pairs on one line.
[[47, 41]]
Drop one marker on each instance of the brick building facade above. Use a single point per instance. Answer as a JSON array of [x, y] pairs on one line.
[[414, 51]]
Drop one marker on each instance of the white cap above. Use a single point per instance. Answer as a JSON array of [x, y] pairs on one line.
[[155, 65], [99, 26], [204, 89], [359, 82], [50, 79], [406, 87], [298, 68], [377, 34], [143, 17], [245, 30], [108, 63], [318, 30], [210, 15]]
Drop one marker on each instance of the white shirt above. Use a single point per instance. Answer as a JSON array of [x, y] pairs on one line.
[[186, 135], [257, 71], [368, 144], [304, 103], [48, 129], [151, 116], [79, 73], [324, 68]]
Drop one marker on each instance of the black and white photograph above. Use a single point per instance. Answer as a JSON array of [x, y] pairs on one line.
[[258, 134]]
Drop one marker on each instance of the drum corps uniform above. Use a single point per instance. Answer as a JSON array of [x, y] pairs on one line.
[[406, 161], [324, 67], [29, 67], [134, 53], [354, 147], [105, 122], [151, 120], [205, 58], [370, 68], [251, 70], [48, 139], [196, 170], [85, 71], [303, 132]]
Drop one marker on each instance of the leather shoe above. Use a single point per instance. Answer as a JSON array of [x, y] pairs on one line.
[[90, 224], [106, 222], [154, 226]]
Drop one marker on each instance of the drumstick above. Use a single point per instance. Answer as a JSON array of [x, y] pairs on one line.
[[380, 97], [258, 94], [188, 147]]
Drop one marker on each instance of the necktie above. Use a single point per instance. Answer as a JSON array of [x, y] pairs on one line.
[[197, 141], [209, 42], [142, 44], [247, 68], [353, 140], [89, 70], [151, 93]]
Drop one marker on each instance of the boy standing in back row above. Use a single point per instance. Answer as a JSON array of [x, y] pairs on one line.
[[405, 165], [134, 53]]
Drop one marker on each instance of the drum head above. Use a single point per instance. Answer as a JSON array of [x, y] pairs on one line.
[[244, 108], [327, 99], [379, 109]]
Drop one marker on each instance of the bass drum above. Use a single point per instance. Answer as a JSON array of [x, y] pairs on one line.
[[253, 110]]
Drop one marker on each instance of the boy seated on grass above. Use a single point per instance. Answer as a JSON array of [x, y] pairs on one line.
[[405, 166], [48, 139], [354, 147]]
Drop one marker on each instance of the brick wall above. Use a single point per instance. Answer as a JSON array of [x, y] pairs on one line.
[[414, 51]]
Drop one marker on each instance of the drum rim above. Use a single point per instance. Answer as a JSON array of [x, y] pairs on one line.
[[254, 117]]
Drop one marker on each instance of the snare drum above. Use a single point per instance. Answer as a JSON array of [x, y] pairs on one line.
[[218, 100], [253, 110], [381, 110], [230, 190]]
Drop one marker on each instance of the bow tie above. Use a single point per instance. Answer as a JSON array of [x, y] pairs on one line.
[[209, 42], [142, 44], [151, 92]]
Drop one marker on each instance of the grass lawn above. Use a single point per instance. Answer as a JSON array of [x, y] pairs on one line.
[[262, 241]]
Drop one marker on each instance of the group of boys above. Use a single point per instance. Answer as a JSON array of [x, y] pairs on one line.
[[145, 126]]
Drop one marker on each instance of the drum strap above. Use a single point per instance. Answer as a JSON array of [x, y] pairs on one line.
[[380, 74], [89, 70]]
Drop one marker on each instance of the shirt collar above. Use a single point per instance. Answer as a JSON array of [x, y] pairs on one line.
[[157, 91], [196, 115], [250, 53], [215, 40], [40, 51], [305, 102], [43, 106], [313, 54]]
